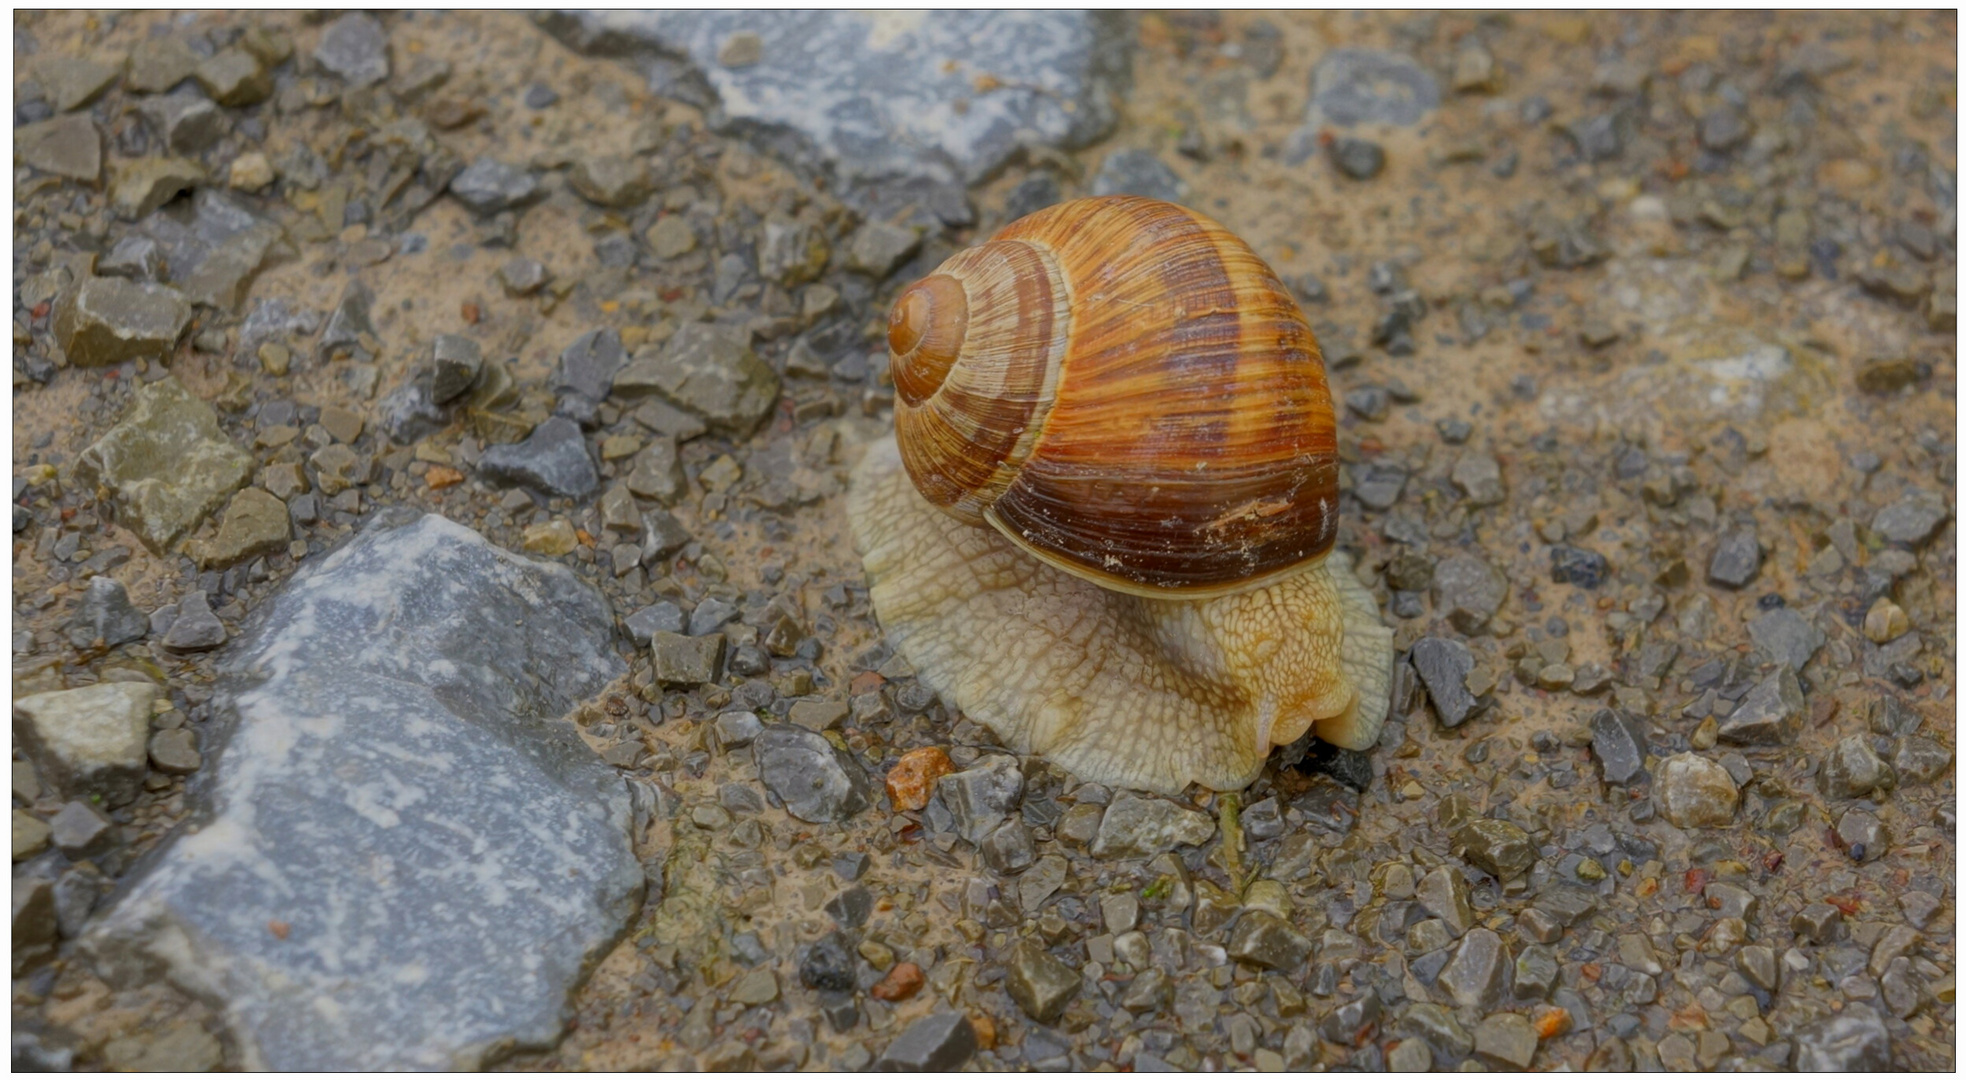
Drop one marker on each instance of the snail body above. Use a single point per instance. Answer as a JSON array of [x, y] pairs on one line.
[[1105, 525]]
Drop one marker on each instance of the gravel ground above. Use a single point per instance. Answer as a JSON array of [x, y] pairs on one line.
[[1643, 327]]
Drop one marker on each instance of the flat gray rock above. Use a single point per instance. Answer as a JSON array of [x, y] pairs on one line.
[[871, 97], [399, 856], [1367, 86]]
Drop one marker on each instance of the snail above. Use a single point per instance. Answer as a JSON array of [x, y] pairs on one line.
[[1104, 526]]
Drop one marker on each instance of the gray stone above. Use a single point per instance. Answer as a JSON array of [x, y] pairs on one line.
[[1443, 665], [1497, 846], [1851, 770], [106, 615], [1506, 1039], [158, 64], [878, 247], [79, 831], [1770, 714], [488, 186], [1756, 963], [195, 628], [407, 687], [254, 523], [136, 257], [1349, 1022], [68, 146], [1784, 636], [1008, 849], [187, 122], [1410, 1056], [791, 252], [70, 82], [521, 276], [1477, 976], [1920, 760], [1266, 941], [939, 1042], [1535, 972], [552, 460], [1359, 159], [1817, 923], [1852, 1041], [611, 180], [683, 661], [1443, 892], [1911, 520], [145, 184], [175, 752], [1479, 476], [235, 78], [1263, 819], [1567, 905], [1044, 878], [409, 412], [663, 616], [662, 535], [1468, 591], [1862, 835], [355, 49], [1379, 484], [816, 715], [1695, 792], [35, 923], [213, 246], [816, 782], [982, 796], [656, 471], [455, 362], [107, 320], [1724, 127], [1437, 1026], [1038, 982], [735, 730], [827, 965], [709, 373], [866, 96], [1600, 137], [88, 741], [1119, 911], [349, 332], [1139, 172], [1366, 86], [77, 891], [1139, 826], [1618, 742]]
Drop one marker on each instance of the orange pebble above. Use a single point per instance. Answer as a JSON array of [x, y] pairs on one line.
[[900, 984], [442, 476], [913, 778], [986, 1031], [1552, 1021]]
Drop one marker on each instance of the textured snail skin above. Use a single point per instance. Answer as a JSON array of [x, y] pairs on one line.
[[1123, 690]]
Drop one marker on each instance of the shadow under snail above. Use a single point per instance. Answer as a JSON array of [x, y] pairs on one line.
[[1104, 526]]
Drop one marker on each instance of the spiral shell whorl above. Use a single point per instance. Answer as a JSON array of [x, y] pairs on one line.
[[966, 425]]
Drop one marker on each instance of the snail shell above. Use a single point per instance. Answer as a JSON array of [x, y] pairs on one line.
[[1122, 388]]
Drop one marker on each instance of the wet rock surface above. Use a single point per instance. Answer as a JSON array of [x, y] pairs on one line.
[[887, 118], [320, 773], [1599, 305]]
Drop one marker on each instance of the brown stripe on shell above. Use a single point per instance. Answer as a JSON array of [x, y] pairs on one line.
[[963, 443], [1192, 447]]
